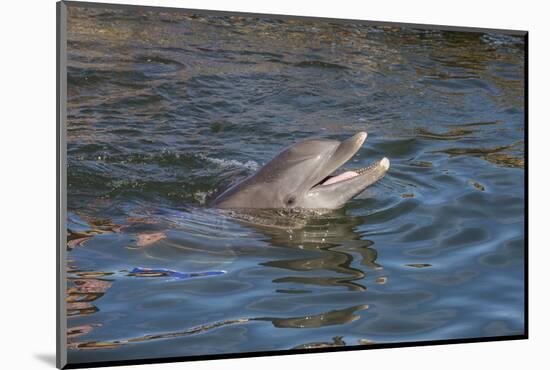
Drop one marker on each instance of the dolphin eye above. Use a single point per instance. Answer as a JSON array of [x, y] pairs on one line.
[[291, 200]]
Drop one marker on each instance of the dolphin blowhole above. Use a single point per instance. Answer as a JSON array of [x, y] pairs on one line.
[[304, 176]]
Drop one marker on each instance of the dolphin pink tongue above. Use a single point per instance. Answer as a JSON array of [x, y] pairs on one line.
[[341, 177]]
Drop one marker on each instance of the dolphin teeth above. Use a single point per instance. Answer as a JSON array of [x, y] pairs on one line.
[[366, 169], [385, 163]]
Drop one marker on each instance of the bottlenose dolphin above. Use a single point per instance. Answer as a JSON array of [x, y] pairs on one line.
[[301, 176]]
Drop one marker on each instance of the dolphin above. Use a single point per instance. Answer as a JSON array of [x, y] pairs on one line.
[[302, 177]]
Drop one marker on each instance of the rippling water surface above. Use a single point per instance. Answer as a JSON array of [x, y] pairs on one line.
[[167, 110]]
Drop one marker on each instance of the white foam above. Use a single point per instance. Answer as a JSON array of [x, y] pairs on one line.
[[251, 165]]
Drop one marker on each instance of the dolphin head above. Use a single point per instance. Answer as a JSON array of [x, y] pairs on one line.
[[303, 176]]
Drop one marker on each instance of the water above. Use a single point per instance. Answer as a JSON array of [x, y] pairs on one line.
[[167, 110]]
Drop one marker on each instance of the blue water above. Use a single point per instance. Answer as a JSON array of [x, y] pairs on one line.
[[166, 110]]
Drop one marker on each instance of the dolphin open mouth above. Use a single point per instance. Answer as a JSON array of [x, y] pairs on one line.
[[379, 167], [350, 174], [342, 154]]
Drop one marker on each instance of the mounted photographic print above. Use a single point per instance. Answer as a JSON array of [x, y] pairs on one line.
[[234, 184]]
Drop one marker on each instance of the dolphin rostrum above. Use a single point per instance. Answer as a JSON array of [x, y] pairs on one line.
[[301, 176]]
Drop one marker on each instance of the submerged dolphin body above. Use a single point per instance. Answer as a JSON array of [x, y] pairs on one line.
[[301, 176]]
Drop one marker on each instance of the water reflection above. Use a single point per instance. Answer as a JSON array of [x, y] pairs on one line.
[[493, 154], [82, 293], [335, 242], [336, 342], [336, 317], [329, 237]]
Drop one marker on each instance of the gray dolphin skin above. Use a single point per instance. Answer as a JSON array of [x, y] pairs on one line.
[[302, 176]]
